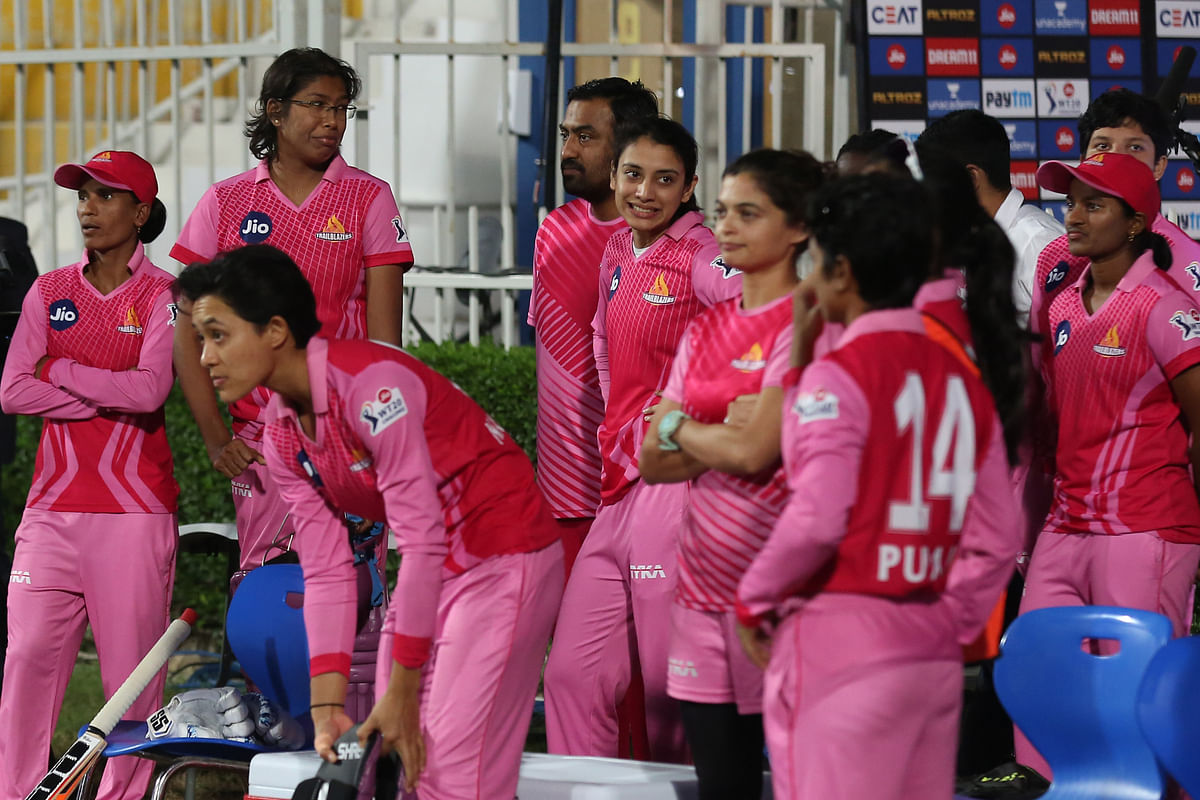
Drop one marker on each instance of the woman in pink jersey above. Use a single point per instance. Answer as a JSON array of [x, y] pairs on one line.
[[92, 355], [655, 277], [898, 535], [338, 223], [1124, 525], [739, 348], [365, 428]]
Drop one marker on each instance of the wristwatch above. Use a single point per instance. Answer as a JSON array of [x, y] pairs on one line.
[[667, 427]]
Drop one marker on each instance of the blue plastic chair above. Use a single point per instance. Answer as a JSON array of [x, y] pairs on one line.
[[1078, 709], [265, 629], [1169, 710]]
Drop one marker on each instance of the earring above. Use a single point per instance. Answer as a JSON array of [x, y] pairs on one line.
[[1132, 236]]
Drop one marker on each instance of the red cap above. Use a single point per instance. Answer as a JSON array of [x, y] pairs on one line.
[[119, 169], [1115, 174]]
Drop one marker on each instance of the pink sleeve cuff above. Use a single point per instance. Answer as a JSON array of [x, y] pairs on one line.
[[329, 662], [50, 362], [1173, 368], [403, 257], [410, 651]]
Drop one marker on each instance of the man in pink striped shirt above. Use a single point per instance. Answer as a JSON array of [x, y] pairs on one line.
[[566, 260]]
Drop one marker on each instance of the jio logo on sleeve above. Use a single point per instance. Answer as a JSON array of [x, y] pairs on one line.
[[1061, 334], [63, 314], [255, 228]]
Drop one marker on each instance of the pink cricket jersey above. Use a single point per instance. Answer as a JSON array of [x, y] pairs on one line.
[[566, 261], [645, 304], [103, 447], [727, 352], [348, 224], [900, 489], [945, 301], [1122, 455], [396, 441]]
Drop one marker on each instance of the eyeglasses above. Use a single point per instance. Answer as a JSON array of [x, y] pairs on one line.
[[317, 107]]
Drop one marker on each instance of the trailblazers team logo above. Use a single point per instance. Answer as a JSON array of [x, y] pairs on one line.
[[751, 360], [255, 228], [1188, 322], [63, 314], [387, 407], [1110, 345], [334, 231], [1056, 277], [1061, 334], [614, 283], [659, 294], [816, 405], [361, 460], [727, 271], [132, 324]]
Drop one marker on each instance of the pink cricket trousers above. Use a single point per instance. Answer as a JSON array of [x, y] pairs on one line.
[[478, 687], [861, 701], [619, 597], [1134, 570], [114, 571]]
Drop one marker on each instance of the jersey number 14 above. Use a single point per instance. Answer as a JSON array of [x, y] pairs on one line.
[[952, 474]]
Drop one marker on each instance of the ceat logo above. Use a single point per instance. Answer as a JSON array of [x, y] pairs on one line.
[[896, 57], [1068, 90], [1116, 56], [1185, 180], [1006, 15], [1064, 139], [1008, 56], [894, 15]]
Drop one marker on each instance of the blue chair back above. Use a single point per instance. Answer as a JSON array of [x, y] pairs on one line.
[[1169, 710], [265, 629], [1080, 709]]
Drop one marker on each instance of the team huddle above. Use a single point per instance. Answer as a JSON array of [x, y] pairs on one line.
[[786, 466]]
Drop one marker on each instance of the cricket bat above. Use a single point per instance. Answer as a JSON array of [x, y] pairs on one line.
[[66, 775]]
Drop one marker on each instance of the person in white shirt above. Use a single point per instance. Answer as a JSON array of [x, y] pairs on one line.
[[980, 143]]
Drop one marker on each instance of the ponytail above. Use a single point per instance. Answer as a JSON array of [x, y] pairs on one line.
[[1159, 246], [154, 223]]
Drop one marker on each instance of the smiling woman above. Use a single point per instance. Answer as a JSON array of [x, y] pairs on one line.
[[91, 354]]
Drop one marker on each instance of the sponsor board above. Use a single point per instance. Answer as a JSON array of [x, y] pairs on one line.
[[1006, 57], [1177, 19], [951, 57], [951, 18], [1058, 140], [1167, 50], [1115, 57], [910, 129], [1114, 18], [1006, 17], [1060, 57], [1062, 97], [1101, 85], [1023, 175], [1179, 182], [1185, 214], [1009, 98], [1022, 138], [892, 17], [952, 95], [897, 55], [1060, 17], [897, 98]]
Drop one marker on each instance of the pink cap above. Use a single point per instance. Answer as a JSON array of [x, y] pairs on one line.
[[119, 169], [1115, 174]]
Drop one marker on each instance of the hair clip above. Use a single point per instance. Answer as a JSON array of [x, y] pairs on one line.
[[912, 162]]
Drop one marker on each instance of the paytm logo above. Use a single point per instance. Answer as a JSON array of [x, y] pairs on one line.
[[1006, 18], [1116, 57], [891, 17], [952, 95], [1022, 138], [897, 56], [1007, 57], [1186, 216], [1009, 98], [1177, 18], [1062, 98], [1060, 16]]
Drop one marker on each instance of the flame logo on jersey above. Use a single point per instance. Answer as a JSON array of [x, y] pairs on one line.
[[751, 360], [361, 460], [1110, 345], [334, 231], [132, 323], [660, 293]]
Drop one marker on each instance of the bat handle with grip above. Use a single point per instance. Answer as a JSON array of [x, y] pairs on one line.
[[108, 716]]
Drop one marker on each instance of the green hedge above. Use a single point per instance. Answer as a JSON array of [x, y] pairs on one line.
[[501, 381]]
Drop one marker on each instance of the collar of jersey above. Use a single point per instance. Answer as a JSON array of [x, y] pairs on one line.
[[333, 173], [1135, 277], [885, 319]]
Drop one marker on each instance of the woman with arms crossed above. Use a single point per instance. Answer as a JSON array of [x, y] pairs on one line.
[[899, 533], [96, 544], [365, 428], [339, 224], [738, 348]]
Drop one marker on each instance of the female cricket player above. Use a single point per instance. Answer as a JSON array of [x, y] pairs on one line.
[[91, 354], [365, 428], [898, 536]]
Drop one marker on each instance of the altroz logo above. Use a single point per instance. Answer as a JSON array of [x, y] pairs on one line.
[[20, 576], [1061, 57], [949, 15], [898, 98], [646, 571]]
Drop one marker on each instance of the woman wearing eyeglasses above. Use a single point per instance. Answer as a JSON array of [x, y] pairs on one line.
[[339, 224]]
